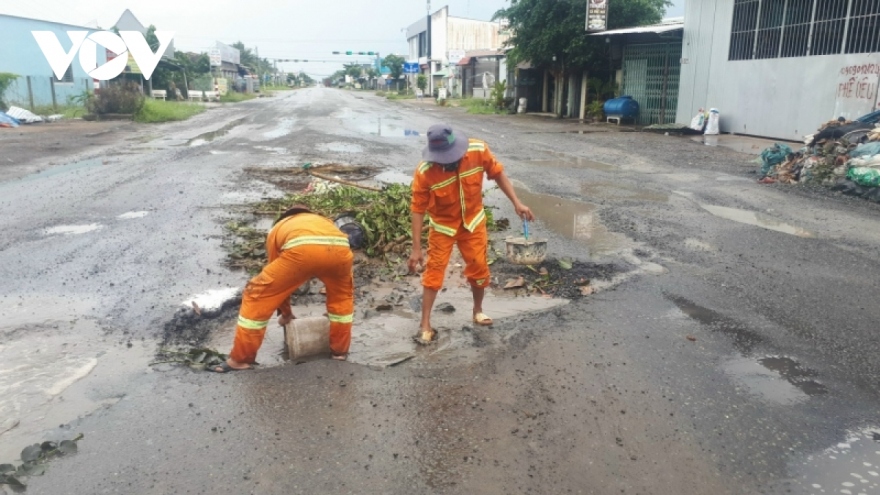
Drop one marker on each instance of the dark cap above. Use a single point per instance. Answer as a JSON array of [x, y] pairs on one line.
[[444, 145]]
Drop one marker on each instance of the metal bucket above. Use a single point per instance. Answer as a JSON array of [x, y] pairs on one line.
[[308, 337], [526, 252]]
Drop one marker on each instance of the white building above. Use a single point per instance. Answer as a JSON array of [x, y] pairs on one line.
[[451, 38], [780, 68]]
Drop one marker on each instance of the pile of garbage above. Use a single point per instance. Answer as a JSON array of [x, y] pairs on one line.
[[842, 155]]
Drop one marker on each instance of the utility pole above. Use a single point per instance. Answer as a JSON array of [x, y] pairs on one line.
[[430, 62]]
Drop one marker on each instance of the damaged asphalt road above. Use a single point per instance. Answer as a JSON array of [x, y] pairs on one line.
[[733, 351]]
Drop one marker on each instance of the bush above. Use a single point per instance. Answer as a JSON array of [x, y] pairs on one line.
[[596, 109], [5, 81], [123, 98], [235, 97], [165, 111]]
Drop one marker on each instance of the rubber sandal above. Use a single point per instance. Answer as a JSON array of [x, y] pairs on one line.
[[482, 319], [339, 357], [225, 368], [419, 337]]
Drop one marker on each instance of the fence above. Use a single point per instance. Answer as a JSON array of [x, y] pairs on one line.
[[37, 91]]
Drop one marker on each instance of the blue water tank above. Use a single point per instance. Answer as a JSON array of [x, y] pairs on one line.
[[623, 106]]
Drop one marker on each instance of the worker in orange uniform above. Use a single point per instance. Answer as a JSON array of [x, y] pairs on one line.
[[448, 186], [301, 246]]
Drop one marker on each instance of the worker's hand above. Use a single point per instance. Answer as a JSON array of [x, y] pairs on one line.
[[416, 260], [524, 212], [285, 320]]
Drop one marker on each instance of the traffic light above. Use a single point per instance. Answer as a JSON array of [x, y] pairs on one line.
[[335, 53], [371, 53], [349, 52]]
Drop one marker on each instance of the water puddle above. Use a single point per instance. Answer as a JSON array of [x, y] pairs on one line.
[[338, 147], [756, 219], [572, 219], [274, 150], [285, 127], [217, 152], [207, 137], [56, 366], [568, 161], [852, 467], [382, 128], [778, 380], [394, 177], [73, 229], [57, 170], [133, 214], [616, 192]]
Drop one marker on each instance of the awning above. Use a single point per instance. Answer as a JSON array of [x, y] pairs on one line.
[[674, 24], [464, 61]]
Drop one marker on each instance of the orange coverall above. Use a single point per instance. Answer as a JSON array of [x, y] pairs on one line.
[[454, 203], [300, 248]]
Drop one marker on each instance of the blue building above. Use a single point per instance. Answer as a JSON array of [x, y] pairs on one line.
[[21, 55]]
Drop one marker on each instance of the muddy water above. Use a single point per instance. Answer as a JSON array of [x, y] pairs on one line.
[[617, 192], [572, 219], [851, 467], [285, 126], [207, 137], [568, 161], [756, 219], [57, 365]]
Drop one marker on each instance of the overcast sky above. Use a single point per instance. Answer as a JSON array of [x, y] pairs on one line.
[[294, 29]]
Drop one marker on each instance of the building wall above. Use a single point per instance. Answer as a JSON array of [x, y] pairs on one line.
[[783, 98], [468, 34], [21, 55]]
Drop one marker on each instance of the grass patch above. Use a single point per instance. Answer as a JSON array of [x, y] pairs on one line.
[[235, 97], [166, 111], [477, 106], [277, 88], [397, 96], [68, 111]]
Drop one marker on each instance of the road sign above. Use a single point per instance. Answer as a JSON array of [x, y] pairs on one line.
[[410, 68]]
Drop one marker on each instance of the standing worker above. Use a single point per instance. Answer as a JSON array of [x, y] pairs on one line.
[[301, 246], [448, 185]]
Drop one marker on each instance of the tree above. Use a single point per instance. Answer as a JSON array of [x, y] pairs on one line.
[[551, 33], [422, 82], [6, 79], [353, 70], [395, 65]]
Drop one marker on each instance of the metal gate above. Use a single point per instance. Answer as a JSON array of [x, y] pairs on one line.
[[650, 75]]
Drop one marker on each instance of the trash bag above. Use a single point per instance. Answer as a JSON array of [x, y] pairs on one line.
[[7, 121], [698, 123], [712, 126], [348, 225], [873, 194], [773, 156], [865, 150], [864, 176], [843, 186]]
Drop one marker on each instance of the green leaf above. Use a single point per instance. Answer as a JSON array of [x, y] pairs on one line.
[[566, 264], [67, 447], [6, 469], [31, 453]]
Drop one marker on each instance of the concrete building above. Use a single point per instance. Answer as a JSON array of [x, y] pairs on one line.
[[451, 38], [780, 68], [21, 55]]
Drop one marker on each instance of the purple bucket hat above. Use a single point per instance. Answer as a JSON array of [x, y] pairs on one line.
[[444, 146]]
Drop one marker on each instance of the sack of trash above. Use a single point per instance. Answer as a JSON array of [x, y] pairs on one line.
[[713, 125], [698, 123], [773, 156], [864, 176]]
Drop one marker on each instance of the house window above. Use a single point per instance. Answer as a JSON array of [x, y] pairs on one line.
[[796, 30], [829, 26], [863, 35], [742, 37], [68, 76], [770, 29]]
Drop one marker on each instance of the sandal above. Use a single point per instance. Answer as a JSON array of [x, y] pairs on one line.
[[482, 319], [339, 357], [420, 338], [225, 368]]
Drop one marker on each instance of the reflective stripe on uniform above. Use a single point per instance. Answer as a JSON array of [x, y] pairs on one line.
[[477, 170], [473, 224], [252, 324], [319, 240], [440, 228], [424, 166], [443, 184], [340, 318], [476, 147]]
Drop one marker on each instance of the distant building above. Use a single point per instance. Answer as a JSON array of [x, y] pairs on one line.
[[780, 71], [21, 55], [128, 22], [451, 38], [226, 60]]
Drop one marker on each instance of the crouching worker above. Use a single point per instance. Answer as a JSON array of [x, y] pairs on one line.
[[448, 186], [301, 246]]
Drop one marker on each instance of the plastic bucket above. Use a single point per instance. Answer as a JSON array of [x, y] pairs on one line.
[[526, 252], [308, 337]]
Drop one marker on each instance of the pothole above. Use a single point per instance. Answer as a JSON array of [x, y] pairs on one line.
[[757, 219], [568, 161], [73, 229], [574, 220], [611, 191], [851, 467], [133, 214], [207, 137]]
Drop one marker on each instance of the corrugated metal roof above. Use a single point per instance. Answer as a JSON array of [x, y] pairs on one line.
[[669, 25]]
